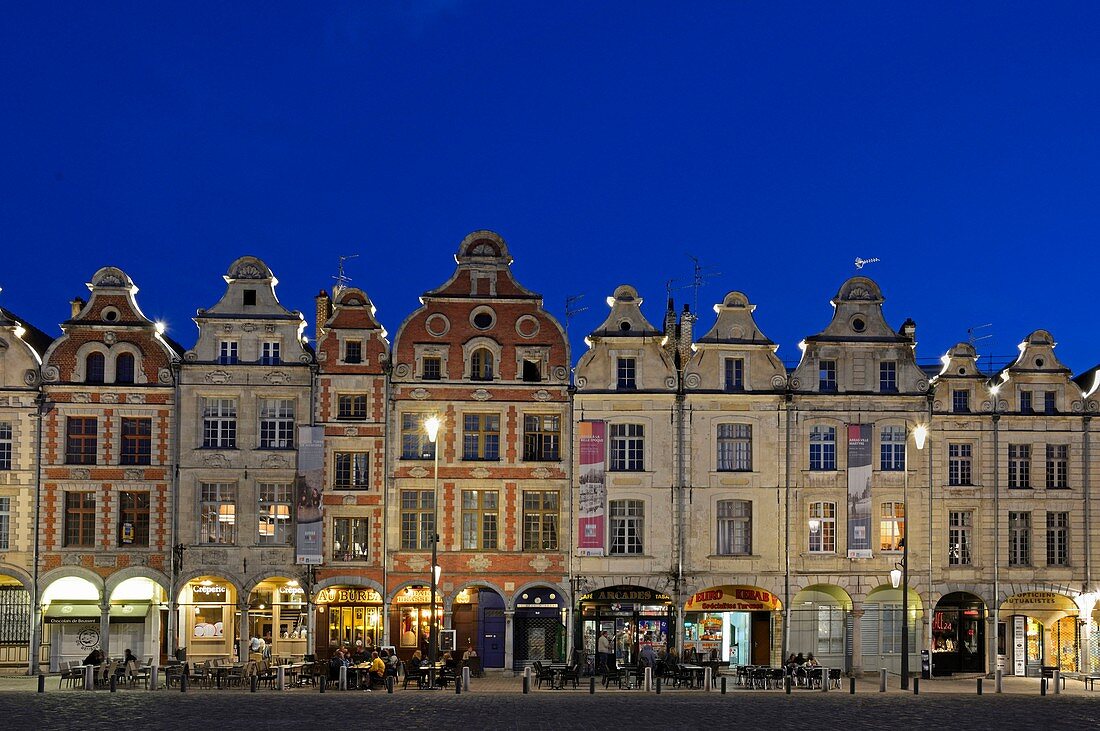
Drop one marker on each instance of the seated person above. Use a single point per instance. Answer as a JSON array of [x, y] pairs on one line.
[[95, 657], [448, 661], [414, 669], [377, 670], [470, 652], [130, 664], [339, 660]]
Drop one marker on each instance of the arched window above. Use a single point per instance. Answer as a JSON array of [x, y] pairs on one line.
[[481, 365], [93, 368], [124, 368]]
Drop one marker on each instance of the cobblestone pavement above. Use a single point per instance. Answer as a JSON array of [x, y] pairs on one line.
[[534, 712], [497, 703]]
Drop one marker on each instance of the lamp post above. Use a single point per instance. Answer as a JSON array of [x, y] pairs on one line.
[[920, 434], [431, 426]]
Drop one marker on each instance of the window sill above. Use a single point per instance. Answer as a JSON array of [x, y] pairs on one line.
[[211, 448], [346, 561], [722, 556], [350, 488], [542, 460], [275, 449], [734, 472], [351, 418], [135, 464], [480, 459]]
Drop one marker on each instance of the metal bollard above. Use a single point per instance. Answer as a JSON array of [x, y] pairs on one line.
[[787, 684], [708, 678], [658, 685], [89, 677], [979, 686], [343, 677], [154, 679], [916, 685], [184, 680], [852, 685], [526, 681], [592, 685], [1043, 686], [882, 680], [41, 683], [1057, 684], [824, 680], [390, 682], [324, 682], [458, 686], [218, 680], [280, 678], [114, 683], [254, 683], [723, 685], [999, 675]]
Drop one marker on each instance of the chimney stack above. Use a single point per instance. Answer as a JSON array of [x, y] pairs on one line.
[[77, 305], [323, 310]]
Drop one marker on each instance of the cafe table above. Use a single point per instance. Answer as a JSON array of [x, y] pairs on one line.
[[698, 673]]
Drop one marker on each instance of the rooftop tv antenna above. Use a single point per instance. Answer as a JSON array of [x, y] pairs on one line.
[[341, 278], [971, 338], [572, 310], [860, 263], [699, 277]]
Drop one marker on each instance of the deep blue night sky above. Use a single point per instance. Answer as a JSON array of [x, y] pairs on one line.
[[606, 142]]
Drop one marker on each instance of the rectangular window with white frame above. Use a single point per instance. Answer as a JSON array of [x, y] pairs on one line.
[[270, 353], [627, 527], [353, 352], [822, 448], [275, 528], [137, 441], [133, 518], [351, 406], [5, 523], [734, 527], [888, 376], [481, 437], [960, 525], [626, 374], [892, 448], [960, 465], [627, 448], [219, 423], [734, 374], [541, 437], [1057, 467], [80, 519], [414, 438], [822, 525], [5, 445], [277, 423], [1057, 539], [349, 539], [540, 520], [227, 352], [1019, 538], [218, 513], [735, 447], [1019, 466], [431, 368]]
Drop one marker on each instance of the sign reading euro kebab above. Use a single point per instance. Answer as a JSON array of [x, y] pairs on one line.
[[733, 599]]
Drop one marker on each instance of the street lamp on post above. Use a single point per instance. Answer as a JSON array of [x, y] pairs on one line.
[[920, 435], [431, 426]]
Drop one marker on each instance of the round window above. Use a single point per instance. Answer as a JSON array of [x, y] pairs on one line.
[[1039, 362], [962, 371], [483, 321], [859, 325], [624, 326], [110, 314]]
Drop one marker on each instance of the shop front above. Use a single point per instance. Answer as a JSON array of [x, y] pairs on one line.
[[138, 612], [277, 614], [882, 625], [411, 620], [734, 624], [348, 616], [71, 619], [632, 616], [15, 622], [958, 634], [208, 618], [1041, 628], [538, 627], [819, 624], [477, 616]]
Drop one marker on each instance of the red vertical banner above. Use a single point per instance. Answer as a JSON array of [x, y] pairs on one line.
[[592, 492]]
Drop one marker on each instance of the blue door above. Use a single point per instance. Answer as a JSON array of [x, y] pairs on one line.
[[490, 622]]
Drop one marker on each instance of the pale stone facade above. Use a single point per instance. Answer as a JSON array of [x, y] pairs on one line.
[[245, 388]]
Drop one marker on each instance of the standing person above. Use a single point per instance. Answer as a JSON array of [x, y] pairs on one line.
[[603, 653]]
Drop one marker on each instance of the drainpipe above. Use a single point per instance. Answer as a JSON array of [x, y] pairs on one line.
[[311, 570], [1086, 453], [570, 616], [173, 591], [996, 535], [36, 607], [387, 411], [787, 403], [931, 607]]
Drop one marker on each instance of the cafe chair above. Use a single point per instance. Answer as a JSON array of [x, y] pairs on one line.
[[571, 674]]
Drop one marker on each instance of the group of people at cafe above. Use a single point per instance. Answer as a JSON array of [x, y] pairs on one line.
[[377, 667], [128, 666]]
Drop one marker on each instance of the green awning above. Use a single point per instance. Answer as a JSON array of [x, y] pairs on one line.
[[71, 613], [129, 612]]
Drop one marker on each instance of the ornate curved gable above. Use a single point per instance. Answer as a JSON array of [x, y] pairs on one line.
[[735, 335], [626, 334]]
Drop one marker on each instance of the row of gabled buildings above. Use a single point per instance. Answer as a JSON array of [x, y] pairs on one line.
[[679, 490]]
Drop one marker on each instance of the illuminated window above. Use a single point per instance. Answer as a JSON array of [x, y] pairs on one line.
[[822, 526], [540, 520], [349, 539], [351, 470], [218, 513], [891, 526], [414, 439], [274, 515]]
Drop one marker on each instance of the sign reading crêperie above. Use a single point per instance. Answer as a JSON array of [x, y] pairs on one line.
[[732, 599], [208, 593]]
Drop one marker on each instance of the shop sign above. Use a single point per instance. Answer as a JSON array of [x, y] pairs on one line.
[[208, 593], [733, 599], [336, 595], [419, 595], [626, 595], [291, 592], [1019, 646], [1038, 599]]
